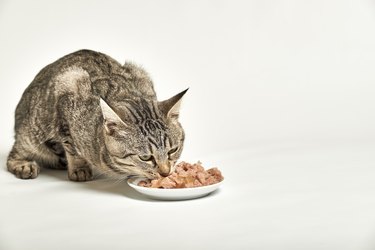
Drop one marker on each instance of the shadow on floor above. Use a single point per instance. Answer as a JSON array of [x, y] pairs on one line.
[[100, 184]]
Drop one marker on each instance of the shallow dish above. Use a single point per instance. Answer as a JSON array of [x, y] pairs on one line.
[[173, 193]]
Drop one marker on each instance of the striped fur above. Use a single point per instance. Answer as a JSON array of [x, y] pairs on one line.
[[89, 114]]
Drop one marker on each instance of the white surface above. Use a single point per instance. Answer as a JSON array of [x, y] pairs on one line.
[[274, 197], [174, 194], [281, 99]]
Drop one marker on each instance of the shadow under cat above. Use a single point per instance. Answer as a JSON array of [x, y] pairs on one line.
[[99, 184]]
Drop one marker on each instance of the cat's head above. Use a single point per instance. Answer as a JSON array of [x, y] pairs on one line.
[[142, 137]]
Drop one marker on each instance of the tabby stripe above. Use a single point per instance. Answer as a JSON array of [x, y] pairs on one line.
[[143, 131], [143, 104], [134, 116], [135, 108], [157, 124], [122, 163], [107, 160], [115, 169], [165, 141], [127, 155], [152, 114], [153, 142], [149, 126], [154, 109], [149, 147], [162, 139], [140, 114], [161, 124]]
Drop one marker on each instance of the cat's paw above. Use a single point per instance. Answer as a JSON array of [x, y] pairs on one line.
[[24, 169], [81, 174]]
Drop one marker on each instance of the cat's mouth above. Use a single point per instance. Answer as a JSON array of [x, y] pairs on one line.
[[153, 175]]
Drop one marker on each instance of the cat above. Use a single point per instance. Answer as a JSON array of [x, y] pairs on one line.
[[89, 114]]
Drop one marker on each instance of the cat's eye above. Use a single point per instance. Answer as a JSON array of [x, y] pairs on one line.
[[145, 157], [173, 150]]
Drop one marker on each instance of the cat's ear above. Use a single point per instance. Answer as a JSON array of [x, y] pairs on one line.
[[171, 107], [112, 122]]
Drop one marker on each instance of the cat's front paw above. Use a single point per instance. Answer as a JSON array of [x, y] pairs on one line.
[[24, 169], [81, 174]]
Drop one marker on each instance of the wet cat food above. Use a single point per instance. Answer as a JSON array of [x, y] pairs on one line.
[[186, 175]]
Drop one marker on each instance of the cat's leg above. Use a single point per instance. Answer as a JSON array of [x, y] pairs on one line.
[[21, 163], [78, 168], [26, 159], [71, 109]]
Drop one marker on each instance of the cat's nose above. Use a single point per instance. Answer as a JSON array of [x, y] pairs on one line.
[[164, 170]]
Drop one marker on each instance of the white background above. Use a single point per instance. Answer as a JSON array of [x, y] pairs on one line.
[[281, 99]]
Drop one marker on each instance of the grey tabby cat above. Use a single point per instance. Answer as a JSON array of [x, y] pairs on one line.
[[89, 114]]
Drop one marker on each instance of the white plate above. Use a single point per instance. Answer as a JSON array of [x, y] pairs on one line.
[[173, 193]]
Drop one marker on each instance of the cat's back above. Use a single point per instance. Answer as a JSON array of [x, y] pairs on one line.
[[84, 73], [96, 64], [106, 76]]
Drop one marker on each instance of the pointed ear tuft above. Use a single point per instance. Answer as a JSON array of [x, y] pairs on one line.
[[171, 107], [112, 122]]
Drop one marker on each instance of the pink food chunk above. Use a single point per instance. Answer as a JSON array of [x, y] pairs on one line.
[[186, 175]]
